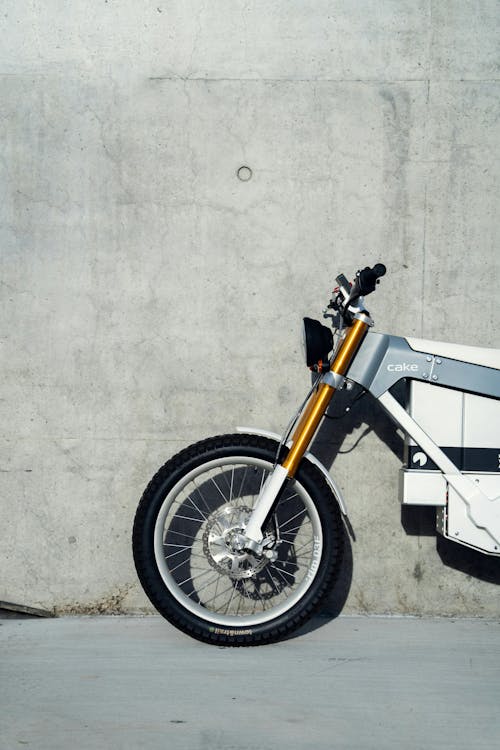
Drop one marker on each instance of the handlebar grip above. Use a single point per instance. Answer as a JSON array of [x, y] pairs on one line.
[[368, 277]]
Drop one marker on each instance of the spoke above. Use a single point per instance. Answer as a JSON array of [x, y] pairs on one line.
[[223, 475], [243, 583], [303, 546], [216, 589], [297, 549], [246, 593], [209, 583], [292, 518], [203, 516], [295, 564], [193, 578], [272, 580], [231, 485], [240, 493], [241, 597], [185, 549], [231, 599], [288, 581], [178, 533], [180, 548], [202, 496], [286, 499], [295, 528], [179, 565], [188, 518], [252, 598], [219, 489], [262, 601], [216, 596], [282, 574], [192, 554]]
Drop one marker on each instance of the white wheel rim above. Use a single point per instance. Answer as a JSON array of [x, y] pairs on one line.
[[234, 599]]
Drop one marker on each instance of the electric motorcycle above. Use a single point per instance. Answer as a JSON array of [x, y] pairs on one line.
[[238, 538]]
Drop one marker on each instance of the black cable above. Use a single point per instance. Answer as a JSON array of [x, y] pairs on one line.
[[348, 408]]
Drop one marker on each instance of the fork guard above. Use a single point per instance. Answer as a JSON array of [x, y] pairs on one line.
[[310, 457]]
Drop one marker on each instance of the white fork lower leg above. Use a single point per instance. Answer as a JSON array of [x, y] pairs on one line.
[[264, 503]]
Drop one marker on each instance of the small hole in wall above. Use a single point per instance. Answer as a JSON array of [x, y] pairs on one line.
[[244, 173]]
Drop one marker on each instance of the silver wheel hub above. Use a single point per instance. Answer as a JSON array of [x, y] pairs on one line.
[[224, 543]]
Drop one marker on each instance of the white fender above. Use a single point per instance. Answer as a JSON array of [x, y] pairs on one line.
[[310, 457]]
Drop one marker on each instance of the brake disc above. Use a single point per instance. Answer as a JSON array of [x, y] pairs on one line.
[[223, 543]]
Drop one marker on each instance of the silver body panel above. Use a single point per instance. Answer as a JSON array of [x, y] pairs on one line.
[[384, 360]]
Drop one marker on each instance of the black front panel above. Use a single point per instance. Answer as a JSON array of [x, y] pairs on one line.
[[465, 459]]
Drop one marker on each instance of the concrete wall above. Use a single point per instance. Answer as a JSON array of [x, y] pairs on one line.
[[150, 297]]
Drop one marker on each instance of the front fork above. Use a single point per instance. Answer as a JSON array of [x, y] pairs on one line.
[[305, 430]]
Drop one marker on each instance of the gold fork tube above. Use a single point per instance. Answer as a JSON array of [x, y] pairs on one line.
[[318, 403], [301, 440], [349, 348]]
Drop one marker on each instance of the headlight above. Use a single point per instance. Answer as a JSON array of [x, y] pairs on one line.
[[317, 341]]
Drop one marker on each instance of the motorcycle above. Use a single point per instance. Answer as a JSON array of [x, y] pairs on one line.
[[238, 538]]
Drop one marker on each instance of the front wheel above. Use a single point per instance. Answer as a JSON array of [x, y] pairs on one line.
[[188, 551]]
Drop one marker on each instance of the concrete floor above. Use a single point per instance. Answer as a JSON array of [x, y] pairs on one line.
[[354, 682]]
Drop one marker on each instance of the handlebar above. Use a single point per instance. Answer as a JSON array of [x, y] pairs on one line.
[[368, 278], [364, 283]]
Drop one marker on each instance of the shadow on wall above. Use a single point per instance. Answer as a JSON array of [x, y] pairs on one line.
[[416, 520]]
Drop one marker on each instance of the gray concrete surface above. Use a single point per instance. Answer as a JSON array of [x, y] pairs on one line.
[[150, 298], [355, 682]]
